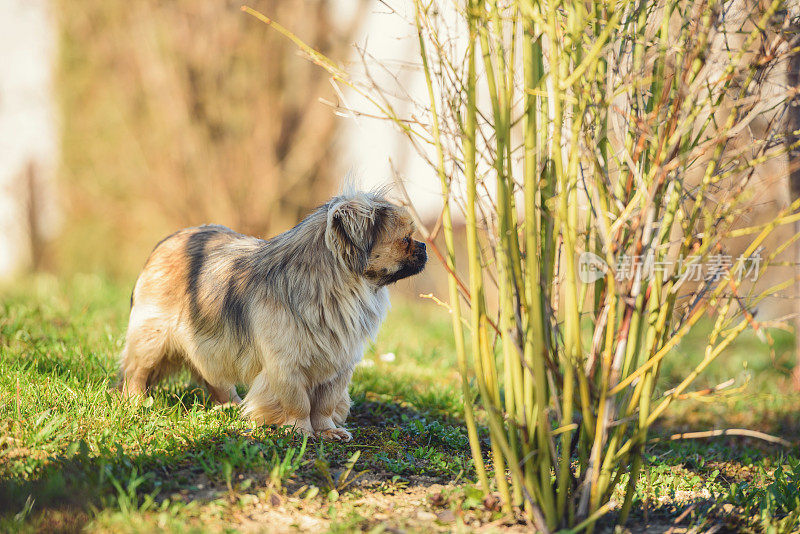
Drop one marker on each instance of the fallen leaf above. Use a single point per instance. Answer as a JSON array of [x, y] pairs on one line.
[[492, 502], [274, 500], [437, 499]]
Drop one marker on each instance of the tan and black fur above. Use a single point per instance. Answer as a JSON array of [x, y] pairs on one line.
[[287, 316]]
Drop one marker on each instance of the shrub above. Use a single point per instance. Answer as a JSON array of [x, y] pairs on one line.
[[596, 151]]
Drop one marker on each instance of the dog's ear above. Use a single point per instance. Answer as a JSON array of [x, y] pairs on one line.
[[353, 225]]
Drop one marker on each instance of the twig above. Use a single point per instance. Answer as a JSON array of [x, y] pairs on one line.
[[726, 432]]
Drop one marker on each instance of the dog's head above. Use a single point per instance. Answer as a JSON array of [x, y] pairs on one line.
[[372, 238]]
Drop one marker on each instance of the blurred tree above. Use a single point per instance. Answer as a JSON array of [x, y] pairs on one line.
[[29, 213], [181, 112]]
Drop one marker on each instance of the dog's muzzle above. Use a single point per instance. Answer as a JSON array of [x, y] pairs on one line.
[[420, 256]]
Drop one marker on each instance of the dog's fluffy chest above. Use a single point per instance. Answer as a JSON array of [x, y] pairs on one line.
[[324, 338]]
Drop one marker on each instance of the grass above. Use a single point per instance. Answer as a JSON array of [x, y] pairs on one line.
[[74, 456]]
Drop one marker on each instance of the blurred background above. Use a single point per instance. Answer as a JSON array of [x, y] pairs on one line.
[[121, 122]]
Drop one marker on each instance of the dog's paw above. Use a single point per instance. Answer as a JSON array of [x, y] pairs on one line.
[[298, 430], [225, 405], [335, 434]]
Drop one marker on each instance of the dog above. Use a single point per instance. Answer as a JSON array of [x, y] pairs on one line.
[[287, 316]]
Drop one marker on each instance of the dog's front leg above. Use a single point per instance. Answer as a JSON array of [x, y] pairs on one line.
[[224, 396], [279, 398], [325, 399]]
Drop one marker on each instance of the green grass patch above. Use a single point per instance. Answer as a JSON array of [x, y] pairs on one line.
[[74, 455]]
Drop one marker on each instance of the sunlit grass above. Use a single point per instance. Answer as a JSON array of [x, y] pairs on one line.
[[73, 454]]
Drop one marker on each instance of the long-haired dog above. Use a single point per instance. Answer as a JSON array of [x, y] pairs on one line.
[[287, 316]]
